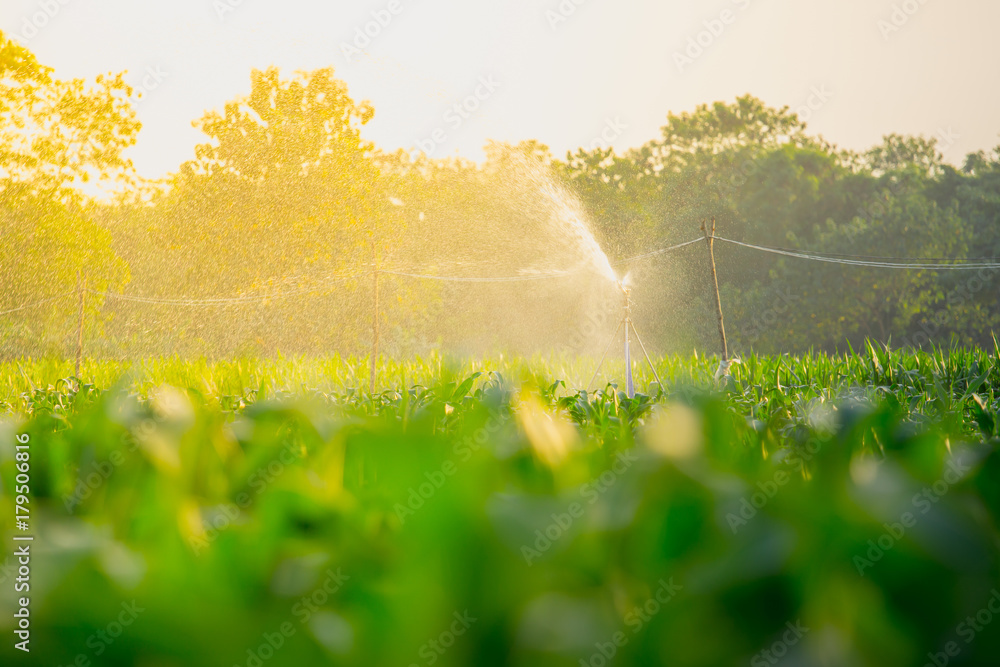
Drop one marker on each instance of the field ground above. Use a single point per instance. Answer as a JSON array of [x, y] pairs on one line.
[[808, 510]]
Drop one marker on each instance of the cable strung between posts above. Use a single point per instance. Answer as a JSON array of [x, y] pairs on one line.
[[936, 264], [661, 251], [221, 301], [539, 276], [885, 258], [474, 279], [36, 304], [908, 264], [190, 302]]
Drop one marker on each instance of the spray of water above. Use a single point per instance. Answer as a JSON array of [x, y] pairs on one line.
[[569, 217], [566, 218]]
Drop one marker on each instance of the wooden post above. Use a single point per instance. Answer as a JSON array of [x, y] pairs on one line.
[[81, 286], [710, 239], [375, 332]]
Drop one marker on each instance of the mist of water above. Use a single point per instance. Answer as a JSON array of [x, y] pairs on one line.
[[566, 217]]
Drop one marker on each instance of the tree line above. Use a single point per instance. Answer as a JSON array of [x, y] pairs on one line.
[[289, 210]]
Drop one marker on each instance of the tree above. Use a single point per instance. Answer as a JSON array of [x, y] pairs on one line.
[[54, 136], [833, 304], [284, 199], [900, 153]]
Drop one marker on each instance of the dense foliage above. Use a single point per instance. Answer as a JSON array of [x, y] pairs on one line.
[[288, 209], [254, 512]]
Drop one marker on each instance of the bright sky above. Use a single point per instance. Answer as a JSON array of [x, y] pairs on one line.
[[566, 72]]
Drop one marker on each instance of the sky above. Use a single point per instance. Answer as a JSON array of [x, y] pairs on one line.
[[568, 73]]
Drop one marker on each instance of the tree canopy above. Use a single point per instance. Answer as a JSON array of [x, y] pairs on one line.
[[55, 135], [287, 207]]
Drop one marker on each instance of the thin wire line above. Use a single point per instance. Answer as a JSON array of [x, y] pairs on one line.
[[858, 262], [37, 303], [831, 258], [526, 278], [221, 301], [474, 279], [191, 302], [979, 260], [661, 251]]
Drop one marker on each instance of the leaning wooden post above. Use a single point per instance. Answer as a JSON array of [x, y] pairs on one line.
[[375, 332], [710, 239], [81, 286]]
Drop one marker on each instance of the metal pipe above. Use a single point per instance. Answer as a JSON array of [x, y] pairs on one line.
[[629, 384]]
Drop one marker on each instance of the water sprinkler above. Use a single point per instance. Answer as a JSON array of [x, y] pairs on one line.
[[629, 326]]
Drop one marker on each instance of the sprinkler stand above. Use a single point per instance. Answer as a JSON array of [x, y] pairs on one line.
[[629, 327]]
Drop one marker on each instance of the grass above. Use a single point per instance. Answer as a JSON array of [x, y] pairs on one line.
[[267, 512]]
